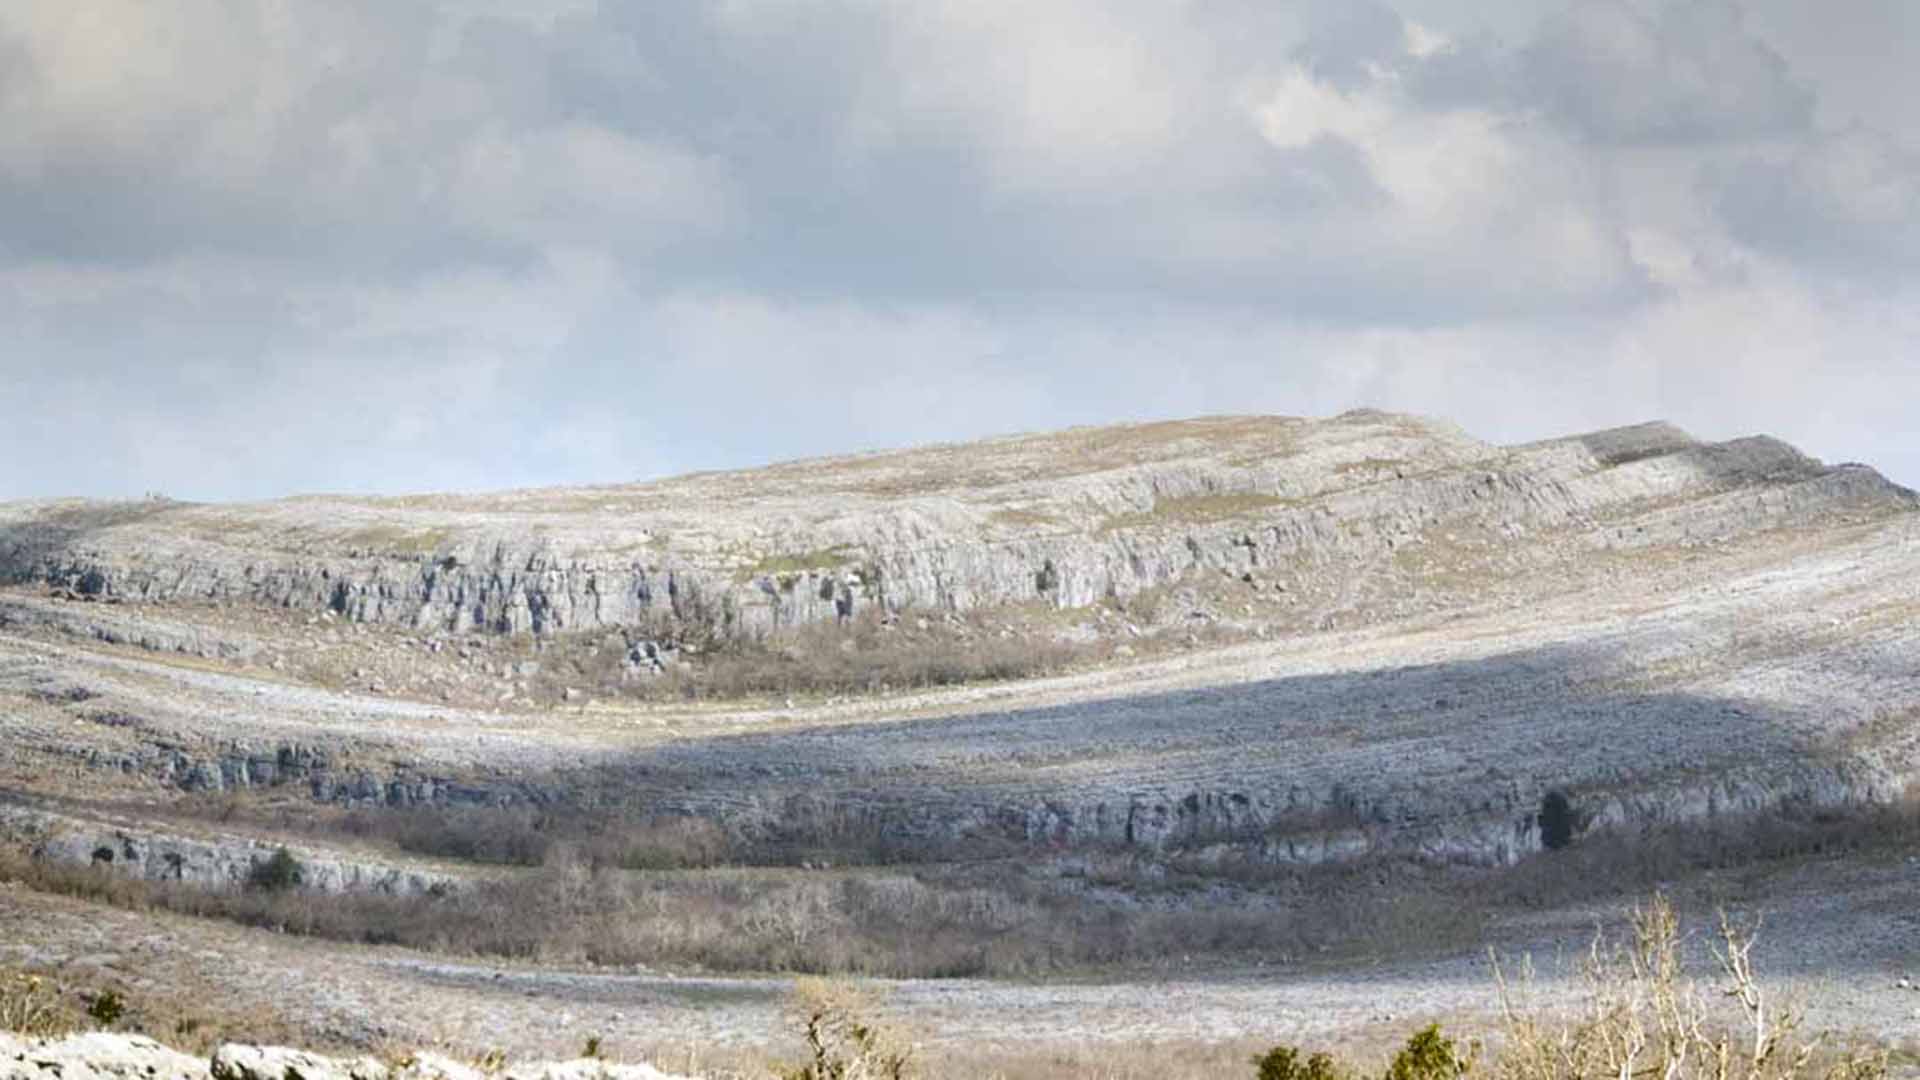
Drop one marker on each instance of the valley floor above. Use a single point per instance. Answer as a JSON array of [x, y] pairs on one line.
[[1839, 935]]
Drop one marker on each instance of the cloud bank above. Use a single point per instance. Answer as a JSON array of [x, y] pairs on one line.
[[249, 249]]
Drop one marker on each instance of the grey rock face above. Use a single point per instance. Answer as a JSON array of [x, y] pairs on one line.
[[1782, 679], [1065, 519], [209, 862]]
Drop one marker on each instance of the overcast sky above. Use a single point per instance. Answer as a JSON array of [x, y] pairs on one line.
[[254, 248]]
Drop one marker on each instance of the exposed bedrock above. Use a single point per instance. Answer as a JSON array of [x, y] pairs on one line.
[[104, 1055], [1491, 827], [315, 770], [215, 862], [1650, 628], [1066, 519]]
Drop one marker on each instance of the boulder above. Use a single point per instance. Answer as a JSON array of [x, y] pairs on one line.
[[98, 1055], [237, 1062]]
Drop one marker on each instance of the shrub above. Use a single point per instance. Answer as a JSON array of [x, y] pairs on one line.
[[1557, 821], [843, 1041], [106, 1008], [278, 873], [1430, 1055], [1642, 1015], [1283, 1063]]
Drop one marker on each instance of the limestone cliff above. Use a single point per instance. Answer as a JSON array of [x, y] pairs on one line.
[[1064, 519]]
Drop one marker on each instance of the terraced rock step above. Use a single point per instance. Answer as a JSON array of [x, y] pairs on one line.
[[1435, 636], [1063, 519]]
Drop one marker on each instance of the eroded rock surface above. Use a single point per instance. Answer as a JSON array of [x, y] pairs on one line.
[[1649, 627], [109, 1056], [1064, 519]]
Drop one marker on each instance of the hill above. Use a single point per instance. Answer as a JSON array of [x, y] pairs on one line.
[[1228, 688]]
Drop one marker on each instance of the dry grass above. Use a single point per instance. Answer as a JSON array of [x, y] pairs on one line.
[[871, 653], [1024, 518], [626, 887], [1371, 465], [32, 1004], [1639, 1013], [1005, 918], [396, 540], [42, 1004]]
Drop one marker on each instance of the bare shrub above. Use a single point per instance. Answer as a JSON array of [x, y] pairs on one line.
[[1625, 862], [479, 835], [1643, 1015], [844, 1041]]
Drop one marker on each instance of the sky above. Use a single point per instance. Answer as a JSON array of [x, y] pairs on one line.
[[250, 249]]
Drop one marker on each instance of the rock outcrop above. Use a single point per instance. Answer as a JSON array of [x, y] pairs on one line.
[[108, 1056], [1062, 519], [96, 1056], [1652, 628], [208, 861]]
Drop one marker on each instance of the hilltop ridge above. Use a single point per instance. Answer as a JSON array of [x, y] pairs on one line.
[[1163, 694], [1062, 519]]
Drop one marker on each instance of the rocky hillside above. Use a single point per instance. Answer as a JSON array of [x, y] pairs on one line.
[[1063, 519], [1318, 639]]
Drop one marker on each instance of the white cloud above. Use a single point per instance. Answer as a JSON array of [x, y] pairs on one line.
[[594, 231]]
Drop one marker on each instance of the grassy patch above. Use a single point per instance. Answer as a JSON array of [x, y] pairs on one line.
[[1022, 518], [1195, 510], [1370, 465], [43, 1004], [396, 540], [806, 562]]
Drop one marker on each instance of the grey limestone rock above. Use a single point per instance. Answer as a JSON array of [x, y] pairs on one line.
[[1065, 519], [96, 1056]]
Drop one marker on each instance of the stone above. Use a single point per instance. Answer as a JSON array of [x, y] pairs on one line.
[[97, 1056], [238, 1062]]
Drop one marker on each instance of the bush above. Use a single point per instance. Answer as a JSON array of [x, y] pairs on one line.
[[1557, 821], [1643, 1015], [279, 873], [106, 1008], [843, 1041], [1283, 1063], [1430, 1055]]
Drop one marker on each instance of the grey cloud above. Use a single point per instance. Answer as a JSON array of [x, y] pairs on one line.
[[763, 147], [330, 137], [1477, 70], [1692, 72], [1347, 42], [375, 245], [1847, 201]]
